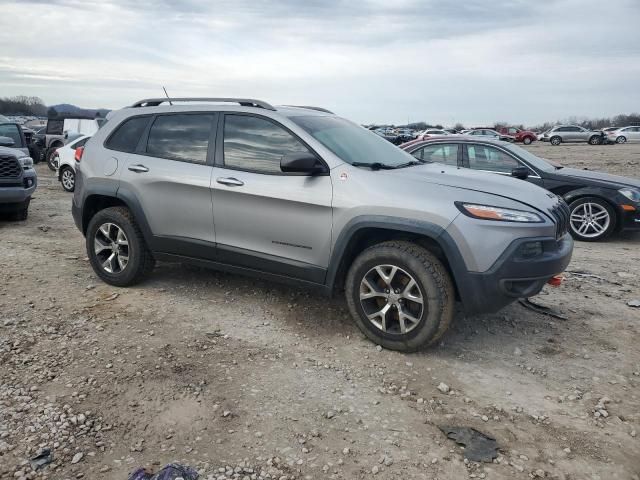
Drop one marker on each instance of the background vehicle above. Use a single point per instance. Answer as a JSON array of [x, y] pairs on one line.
[[64, 160], [572, 133], [488, 133], [300, 195], [624, 135], [599, 203], [59, 128], [15, 132], [18, 179], [519, 135]]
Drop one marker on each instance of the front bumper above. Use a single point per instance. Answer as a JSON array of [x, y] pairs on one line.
[[514, 276], [630, 220], [20, 190]]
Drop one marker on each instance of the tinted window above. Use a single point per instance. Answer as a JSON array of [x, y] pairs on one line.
[[447, 154], [11, 131], [127, 135], [256, 144], [181, 137], [80, 143], [482, 157]]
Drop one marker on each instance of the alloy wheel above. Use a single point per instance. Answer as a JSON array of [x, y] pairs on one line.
[[391, 299], [621, 139], [111, 248], [590, 220], [68, 179]]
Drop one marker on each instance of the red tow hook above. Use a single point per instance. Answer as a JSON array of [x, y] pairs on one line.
[[556, 280]]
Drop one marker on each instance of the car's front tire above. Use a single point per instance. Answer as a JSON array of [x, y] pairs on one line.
[[591, 219], [21, 212], [400, 295], [555, 141], [621, 139], [527, 140], [68, 179], [116, 247]]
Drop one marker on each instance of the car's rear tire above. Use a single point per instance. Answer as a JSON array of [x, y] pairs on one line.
[[595, 140], [527, 140], [400, 295], [68, 178], [621, 139], [591, 219], [51, 153], [116, 247], [555, 141]]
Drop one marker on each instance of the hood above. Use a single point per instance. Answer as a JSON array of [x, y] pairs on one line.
[[12, 151], [491, 183], [602, 179]]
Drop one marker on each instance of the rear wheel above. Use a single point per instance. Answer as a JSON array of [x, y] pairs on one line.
[[68, 179], [116, 247], [400, 295], [555, 141], [621, 139], [51, 158], [592, 219], [595, 140]]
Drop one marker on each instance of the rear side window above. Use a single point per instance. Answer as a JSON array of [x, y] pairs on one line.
[[127, 135], [182, 137], [447, 154], [256, 144]]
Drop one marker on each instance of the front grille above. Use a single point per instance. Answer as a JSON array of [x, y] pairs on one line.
[[9, 167], [561, 215]]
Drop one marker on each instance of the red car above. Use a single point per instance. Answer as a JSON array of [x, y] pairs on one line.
[[524, 136]]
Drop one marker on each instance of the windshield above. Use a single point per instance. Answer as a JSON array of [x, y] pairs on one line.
[[539, 163], [352, 143]]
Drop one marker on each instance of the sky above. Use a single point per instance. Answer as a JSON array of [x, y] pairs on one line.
[[373, 61]]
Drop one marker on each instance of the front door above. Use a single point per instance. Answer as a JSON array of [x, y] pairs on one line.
[[267, 220], [494, 160]]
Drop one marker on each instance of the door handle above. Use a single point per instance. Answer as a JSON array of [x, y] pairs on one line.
[[138, 168], [230, 181]]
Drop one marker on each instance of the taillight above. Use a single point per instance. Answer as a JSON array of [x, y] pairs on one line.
[[79, 152]]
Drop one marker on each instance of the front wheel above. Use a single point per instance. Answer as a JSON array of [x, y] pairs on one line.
[[22, 210], [51, 159], [555, 141], [116, 248], [592, 219], [527, 140], [621, 139], [400, 295], [68, 179]]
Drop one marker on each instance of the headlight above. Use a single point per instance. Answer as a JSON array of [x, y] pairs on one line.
[[26, 162], [487, 212], [631, 193]]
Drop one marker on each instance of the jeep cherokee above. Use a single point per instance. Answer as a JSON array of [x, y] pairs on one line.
[[298, 194]]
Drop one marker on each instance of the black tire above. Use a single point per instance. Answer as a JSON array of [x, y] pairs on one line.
[[595, 140], [22, 212], [555, 141], [621, 139], [68, 179], [589, 235], [51, 152], [527, 140], [140, 260], [431, 278]]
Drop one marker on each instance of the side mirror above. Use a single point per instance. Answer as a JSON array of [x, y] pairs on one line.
[[301, 163], [6, 142], [520, 172]]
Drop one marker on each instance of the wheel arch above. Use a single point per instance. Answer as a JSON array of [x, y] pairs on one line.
[[363, 232]]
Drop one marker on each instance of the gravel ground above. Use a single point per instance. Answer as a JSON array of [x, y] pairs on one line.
[[245, 379]]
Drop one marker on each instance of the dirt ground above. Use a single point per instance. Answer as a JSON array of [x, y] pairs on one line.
[[241, 378]]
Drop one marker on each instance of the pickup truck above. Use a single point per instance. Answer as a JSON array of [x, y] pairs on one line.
[[524, 136]]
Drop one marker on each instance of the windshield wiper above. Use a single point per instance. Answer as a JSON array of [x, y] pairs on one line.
[[374, 165], [412, 163]]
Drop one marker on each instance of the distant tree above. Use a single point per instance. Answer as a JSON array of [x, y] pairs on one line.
[[458, 126]]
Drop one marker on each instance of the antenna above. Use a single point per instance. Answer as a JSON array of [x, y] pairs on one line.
[[165, 92]]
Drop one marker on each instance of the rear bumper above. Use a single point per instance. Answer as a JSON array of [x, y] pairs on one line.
[[513, 276]]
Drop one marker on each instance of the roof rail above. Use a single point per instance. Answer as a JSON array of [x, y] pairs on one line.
[[245, 102], [319, 109]]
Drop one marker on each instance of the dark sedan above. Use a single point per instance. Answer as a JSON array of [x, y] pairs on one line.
[[600, 203]]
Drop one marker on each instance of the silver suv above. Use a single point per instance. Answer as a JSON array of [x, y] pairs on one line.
[[300, 195], [572, 133]]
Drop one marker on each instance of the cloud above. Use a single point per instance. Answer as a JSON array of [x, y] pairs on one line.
[[472, 61]]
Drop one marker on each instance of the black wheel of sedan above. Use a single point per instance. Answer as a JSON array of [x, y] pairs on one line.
[[592, 219], [621, 139], [527, 140], [400, 295], [68, 179], [595, 140], [116, 248], [555, 141]]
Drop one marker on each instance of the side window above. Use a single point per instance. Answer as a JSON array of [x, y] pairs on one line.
[[482, 157], [183, 137], [256, 144], [418, 153], [126, 136], [513, 131], [11, 131], [447, 154]]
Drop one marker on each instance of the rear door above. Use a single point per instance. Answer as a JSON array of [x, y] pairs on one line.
[[169, 175], [265, 219]]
